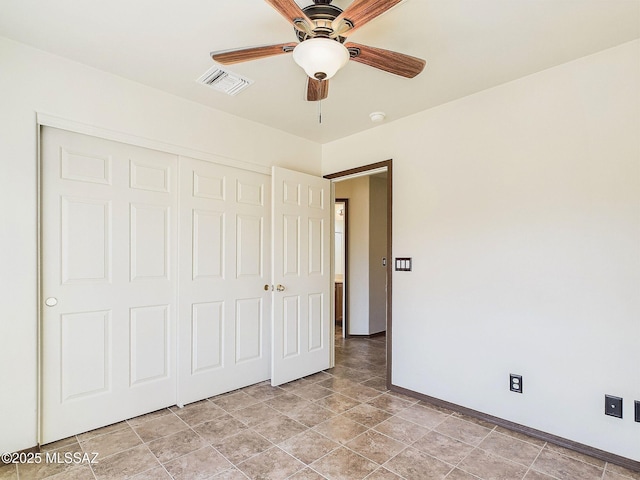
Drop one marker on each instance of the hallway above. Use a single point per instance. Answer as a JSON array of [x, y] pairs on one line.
[[338, 424]]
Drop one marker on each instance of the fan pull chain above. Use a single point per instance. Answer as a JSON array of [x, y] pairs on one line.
[[320, 112]]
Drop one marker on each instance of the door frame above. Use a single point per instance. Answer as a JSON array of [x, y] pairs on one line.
[[345, 253], [368, 170]]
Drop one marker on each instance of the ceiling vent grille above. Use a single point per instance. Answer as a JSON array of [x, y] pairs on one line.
[[224, 81]]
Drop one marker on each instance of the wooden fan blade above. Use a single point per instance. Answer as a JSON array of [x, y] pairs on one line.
[[392, 62], [237, 55], [292, 12], [317, 89], [360, 12]]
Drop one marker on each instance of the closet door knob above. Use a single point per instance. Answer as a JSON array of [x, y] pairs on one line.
[[280, 288], [51, 302]]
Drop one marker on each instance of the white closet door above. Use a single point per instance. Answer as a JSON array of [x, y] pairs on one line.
[[301, 275], [225, 312], [109, 240]]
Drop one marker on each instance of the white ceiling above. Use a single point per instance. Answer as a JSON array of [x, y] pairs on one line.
[[469, 45]]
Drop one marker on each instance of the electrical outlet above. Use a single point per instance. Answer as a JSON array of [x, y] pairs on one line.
[[515, 383], [613, 406], [637, 410]]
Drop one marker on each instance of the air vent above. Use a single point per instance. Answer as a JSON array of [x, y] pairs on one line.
[[224, 81]]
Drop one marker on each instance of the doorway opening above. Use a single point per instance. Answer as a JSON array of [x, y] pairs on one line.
[[366, 238]]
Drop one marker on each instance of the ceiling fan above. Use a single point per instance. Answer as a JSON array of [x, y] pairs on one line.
[[322, 30]]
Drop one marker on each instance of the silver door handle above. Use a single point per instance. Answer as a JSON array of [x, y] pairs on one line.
[[51, 302], [280, 288]]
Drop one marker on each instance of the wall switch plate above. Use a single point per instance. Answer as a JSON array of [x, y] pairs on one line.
[[637, 410], [515, 383], [613, 406], [403, 264]]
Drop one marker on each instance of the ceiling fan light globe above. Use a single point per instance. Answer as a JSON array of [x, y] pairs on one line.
[[321, 58]]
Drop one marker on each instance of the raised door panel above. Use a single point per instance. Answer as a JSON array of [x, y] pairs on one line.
[[207, 333], [85, 240], [85, 347], [208, 244], [150, 244], [149, 334]]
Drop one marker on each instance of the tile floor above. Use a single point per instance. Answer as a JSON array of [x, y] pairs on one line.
[[338, 424]]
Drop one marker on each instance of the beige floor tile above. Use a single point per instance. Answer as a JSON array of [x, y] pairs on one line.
[[389, 403], [335, 383], [383, 474], [199, 412], [375, 446], [199, 465], [158, 473], [111, 443], [159, 427], [311, 414], [255, 414], [343, 464], [33, 471], [232, 474], [565, 468], [279, 428], [134, 422], [401, 430], [433, 406], [360, 392], [575, 455], [75, 473], [125, 464], [306, 474], [313, 392], [424, 416], [287, 402], [337, 403], [167, 448], [367, 415], [101, 431], [611, 468], [272, 464], [614, 476], [520, 436], [378, 383], [443, 447], [491, 467], [318, 377], [8, 472], [414, 464], [404, 397], [220, 428], [340, 429], [65, 442], [233, 401], [533, 475], [510, 448], [242, 446], [309, 446], [462, 430], [457, 474], [263, 391]]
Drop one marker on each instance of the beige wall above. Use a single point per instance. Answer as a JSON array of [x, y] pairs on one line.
[[31, 82], [520, 206], [357, 191]]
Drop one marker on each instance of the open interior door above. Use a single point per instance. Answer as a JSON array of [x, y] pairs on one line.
[[301, 335]]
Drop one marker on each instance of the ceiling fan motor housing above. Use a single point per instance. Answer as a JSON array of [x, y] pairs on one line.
[[321, 14]]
